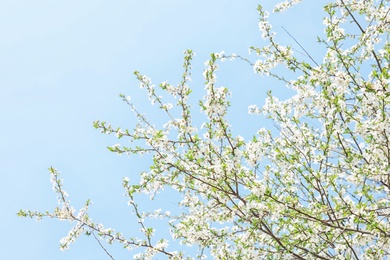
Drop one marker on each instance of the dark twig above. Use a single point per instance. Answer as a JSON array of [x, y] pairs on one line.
[[300, 46], [105, 250]]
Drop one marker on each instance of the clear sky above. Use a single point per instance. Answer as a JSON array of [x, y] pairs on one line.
[[63, 64]]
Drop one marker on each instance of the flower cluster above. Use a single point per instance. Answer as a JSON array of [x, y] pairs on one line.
[[315, 187]]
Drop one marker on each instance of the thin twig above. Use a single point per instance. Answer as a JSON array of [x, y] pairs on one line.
[[105, 250], [300, 46]]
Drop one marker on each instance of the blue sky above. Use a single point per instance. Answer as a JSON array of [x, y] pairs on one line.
[[63, 65]]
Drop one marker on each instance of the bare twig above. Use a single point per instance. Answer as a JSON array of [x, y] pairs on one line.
[[300, 46], [100, 244]]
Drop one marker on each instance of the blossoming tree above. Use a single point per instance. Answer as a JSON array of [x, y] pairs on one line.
[[318, 188]]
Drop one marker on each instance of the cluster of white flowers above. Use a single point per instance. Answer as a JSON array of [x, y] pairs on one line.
[[283, 6], [315, 187]]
